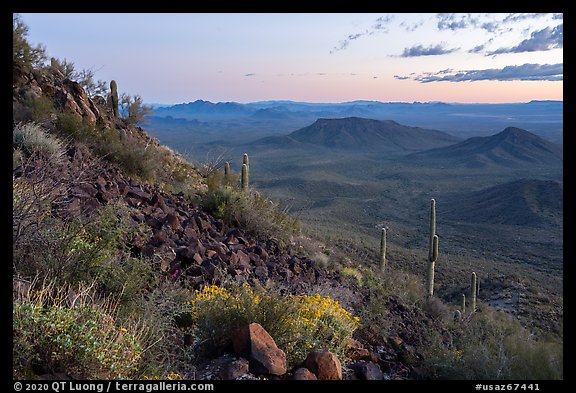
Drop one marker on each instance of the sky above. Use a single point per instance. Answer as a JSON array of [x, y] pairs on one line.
[[313, 57]]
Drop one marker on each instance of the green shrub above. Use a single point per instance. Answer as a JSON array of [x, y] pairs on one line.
[[255, 213], [72, 127], [24, 56], [353, 274], [80, 339], [298, 324]]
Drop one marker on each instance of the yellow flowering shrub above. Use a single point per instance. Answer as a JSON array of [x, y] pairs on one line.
[[298, 324], [322, 323]]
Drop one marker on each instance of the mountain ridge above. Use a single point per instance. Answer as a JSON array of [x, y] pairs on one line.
[[355, 133], [513, 147]]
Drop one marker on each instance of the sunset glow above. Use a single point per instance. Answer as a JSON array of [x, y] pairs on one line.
[[174, 58]]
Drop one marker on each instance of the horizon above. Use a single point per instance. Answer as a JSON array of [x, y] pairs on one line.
[[352, 101], [314, 57]]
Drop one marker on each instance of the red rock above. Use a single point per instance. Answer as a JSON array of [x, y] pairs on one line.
[[172, 221], [356, 351], [254, 343], [324, 364], [303, 374]]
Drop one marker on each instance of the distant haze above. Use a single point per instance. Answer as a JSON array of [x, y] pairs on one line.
[[314, 57]]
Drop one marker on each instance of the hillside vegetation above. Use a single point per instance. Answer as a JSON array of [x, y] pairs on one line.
[[129, 262]]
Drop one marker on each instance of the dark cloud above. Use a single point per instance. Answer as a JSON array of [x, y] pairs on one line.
[[516, 17], [477, 49], [490, 27], [540, 40], [249, 74], [525, 72], [432, 50]]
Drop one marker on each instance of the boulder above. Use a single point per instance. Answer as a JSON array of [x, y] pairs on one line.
[[324, 364], [366, 370], [303, 374], [255, 344]]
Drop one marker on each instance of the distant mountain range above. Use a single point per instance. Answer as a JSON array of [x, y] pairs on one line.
[[463, 120], [530, 202], [201, 109], [512, 148], [354, 133]]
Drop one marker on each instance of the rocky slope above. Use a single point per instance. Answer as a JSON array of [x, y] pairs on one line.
[[191, 245]]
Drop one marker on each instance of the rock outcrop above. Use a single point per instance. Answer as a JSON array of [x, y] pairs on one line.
[[255, 344]]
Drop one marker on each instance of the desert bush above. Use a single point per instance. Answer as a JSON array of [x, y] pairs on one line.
[[72, 127], [76, 250], [31, 138], [38, 188], [298, 324], [493, 345], [69, 330], [163, 309], [352, 273], [256, 214]]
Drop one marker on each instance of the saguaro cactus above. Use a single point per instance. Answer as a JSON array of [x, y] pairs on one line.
[[457, 316], [473, 292], [113, 97], [245, 173], [433, 250], [245, 160], [226, 173], [383, 250], [245, 186]]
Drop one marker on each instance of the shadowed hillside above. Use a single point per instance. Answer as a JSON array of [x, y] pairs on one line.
[[513, 147], [535, 203]]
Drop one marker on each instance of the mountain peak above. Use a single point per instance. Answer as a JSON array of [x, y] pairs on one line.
[[512, 147], [358, 133]]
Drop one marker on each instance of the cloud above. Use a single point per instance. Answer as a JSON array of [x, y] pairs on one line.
[[432, 50], [454, 22], [411, 27], [249, 74], [481, 47], [540, 40], [558, 16], [382, 22], [516, 17], [525, 72], [380, 25]]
